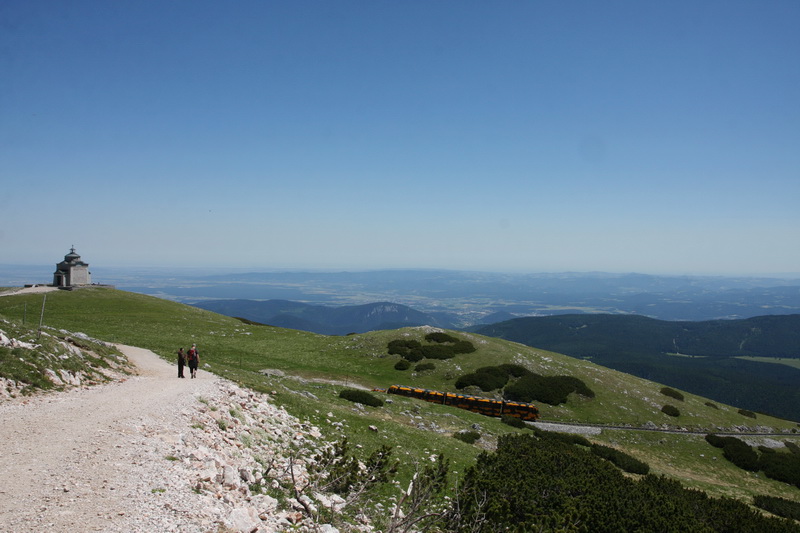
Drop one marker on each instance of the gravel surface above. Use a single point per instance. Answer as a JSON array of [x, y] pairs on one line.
[[93, 459]]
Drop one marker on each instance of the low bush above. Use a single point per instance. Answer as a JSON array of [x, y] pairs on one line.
[[671, 410], [440, 337], [783, 467], [463, 347], [470, 437], [513, 370], [552, 390], [621, 459], [446, 347], [792, 447], [741, 454], [438, 351], [513, 421], [780, 466], [672, 393], [566, 438], [422, 367], [361, 396], [533, 484], [402, 364], [712, 405], [778, 506], [488, 378], [715, 440], [748, 414], [401, 346]]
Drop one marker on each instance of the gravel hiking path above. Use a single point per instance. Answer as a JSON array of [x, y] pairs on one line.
[[93, 459]]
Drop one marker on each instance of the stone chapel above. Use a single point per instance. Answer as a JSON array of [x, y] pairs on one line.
[[71, 272]]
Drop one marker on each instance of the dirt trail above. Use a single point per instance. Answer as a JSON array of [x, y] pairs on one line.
[[83, 459]]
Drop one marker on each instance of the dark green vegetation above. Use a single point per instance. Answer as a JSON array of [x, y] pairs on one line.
[[671, 410], [672, 393], [542, 484], [416, 430], [361, 396], [529, 387], [553, 390], [470, 437], [779, 506], [709, 366], [783, 466], [322, 319], [620, 459], [402, 364], [438, 346]]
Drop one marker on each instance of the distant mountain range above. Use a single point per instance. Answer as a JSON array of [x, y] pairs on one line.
[[462, 298], [322, 319], [699, 357]]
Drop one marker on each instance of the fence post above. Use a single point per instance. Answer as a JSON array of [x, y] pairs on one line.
[[41, 317]]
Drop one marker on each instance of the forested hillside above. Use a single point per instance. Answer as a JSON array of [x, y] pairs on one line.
[[711, 353], [323, 319]]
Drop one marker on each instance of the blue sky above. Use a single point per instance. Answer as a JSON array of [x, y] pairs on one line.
[[655, 137]]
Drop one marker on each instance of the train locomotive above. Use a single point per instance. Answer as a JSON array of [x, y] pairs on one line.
[[477, 404]]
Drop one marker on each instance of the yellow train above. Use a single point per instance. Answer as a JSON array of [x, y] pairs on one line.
[[477, 404]]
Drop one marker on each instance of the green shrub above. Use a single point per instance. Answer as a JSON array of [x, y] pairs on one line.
[[488, 378], [440, 337], [361, 396], [715, 440], [712, 405], [446, 347], [470, 437], [513, 370], [401, 346], [745, 412], [463, 347], [414, 355], [438, 351], [739, 453], [534, 484], [513, 421], [402, 364], [783, 467], [407, 349], [792, 447], [422, 367], [672, 393], [778, 506], [566, 438], [552, 390], [670, 410], [621, 459]]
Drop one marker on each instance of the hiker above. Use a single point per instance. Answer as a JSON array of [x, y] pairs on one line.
[[181, 362], [193, 359]]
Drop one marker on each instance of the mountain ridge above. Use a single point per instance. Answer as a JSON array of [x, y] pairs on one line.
[[321, 319], [712, 351]]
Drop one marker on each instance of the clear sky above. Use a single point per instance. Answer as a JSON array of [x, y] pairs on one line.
[[620, 136]]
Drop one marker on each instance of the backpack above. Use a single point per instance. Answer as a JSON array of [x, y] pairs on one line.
[[192, 355]]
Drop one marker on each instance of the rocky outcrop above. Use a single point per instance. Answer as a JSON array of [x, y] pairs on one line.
[[242, 464]]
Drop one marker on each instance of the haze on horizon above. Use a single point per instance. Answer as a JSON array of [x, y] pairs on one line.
[[503, 137]]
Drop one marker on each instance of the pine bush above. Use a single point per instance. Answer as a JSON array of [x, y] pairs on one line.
[[361, 396]]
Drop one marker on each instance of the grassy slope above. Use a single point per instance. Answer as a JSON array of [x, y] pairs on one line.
[[239, 351]]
